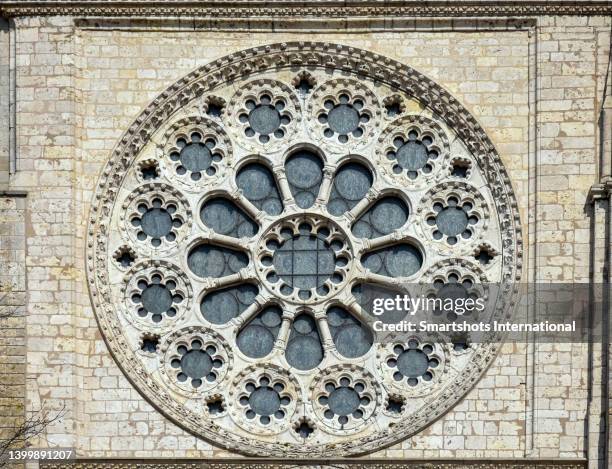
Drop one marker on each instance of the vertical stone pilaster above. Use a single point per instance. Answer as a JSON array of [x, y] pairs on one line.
[[596, 428], [45, 140], [4, 102]]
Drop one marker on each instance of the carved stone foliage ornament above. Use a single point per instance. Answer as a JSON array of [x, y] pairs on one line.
[[242, 212]]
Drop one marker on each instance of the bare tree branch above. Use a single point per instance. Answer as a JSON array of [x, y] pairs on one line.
[[33, 426]]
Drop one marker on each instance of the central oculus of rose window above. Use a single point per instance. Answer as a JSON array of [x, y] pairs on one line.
[[304, 261], [243, 216], [305, 258]]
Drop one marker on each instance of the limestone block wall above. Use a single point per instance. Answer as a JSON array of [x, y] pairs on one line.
[[12, 313], [535, 86], [121, 71]]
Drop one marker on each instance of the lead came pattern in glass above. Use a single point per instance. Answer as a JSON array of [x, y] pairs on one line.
[[304, 258], [206, 260], [402, 260], [351, 338], [304, 261], [285, 238]]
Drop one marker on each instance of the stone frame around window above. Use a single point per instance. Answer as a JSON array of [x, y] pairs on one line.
[[278, 57]]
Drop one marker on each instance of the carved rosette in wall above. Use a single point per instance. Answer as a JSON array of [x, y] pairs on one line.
[[243, 211]]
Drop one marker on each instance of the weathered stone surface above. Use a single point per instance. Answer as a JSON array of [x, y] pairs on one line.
[[536, 89]]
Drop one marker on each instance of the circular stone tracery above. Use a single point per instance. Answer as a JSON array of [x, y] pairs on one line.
[[156, 295], [345, 399], [194, 360], [264, 400], [196, 152], [196, 156], [344, 111], [264, 112], [196, 363], [288, 199], [454, 214], [154, 223], [305, 258]]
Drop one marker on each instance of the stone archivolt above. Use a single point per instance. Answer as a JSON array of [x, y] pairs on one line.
[[267, 211]]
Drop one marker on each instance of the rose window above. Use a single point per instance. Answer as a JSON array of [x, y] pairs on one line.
[[230, 252]]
